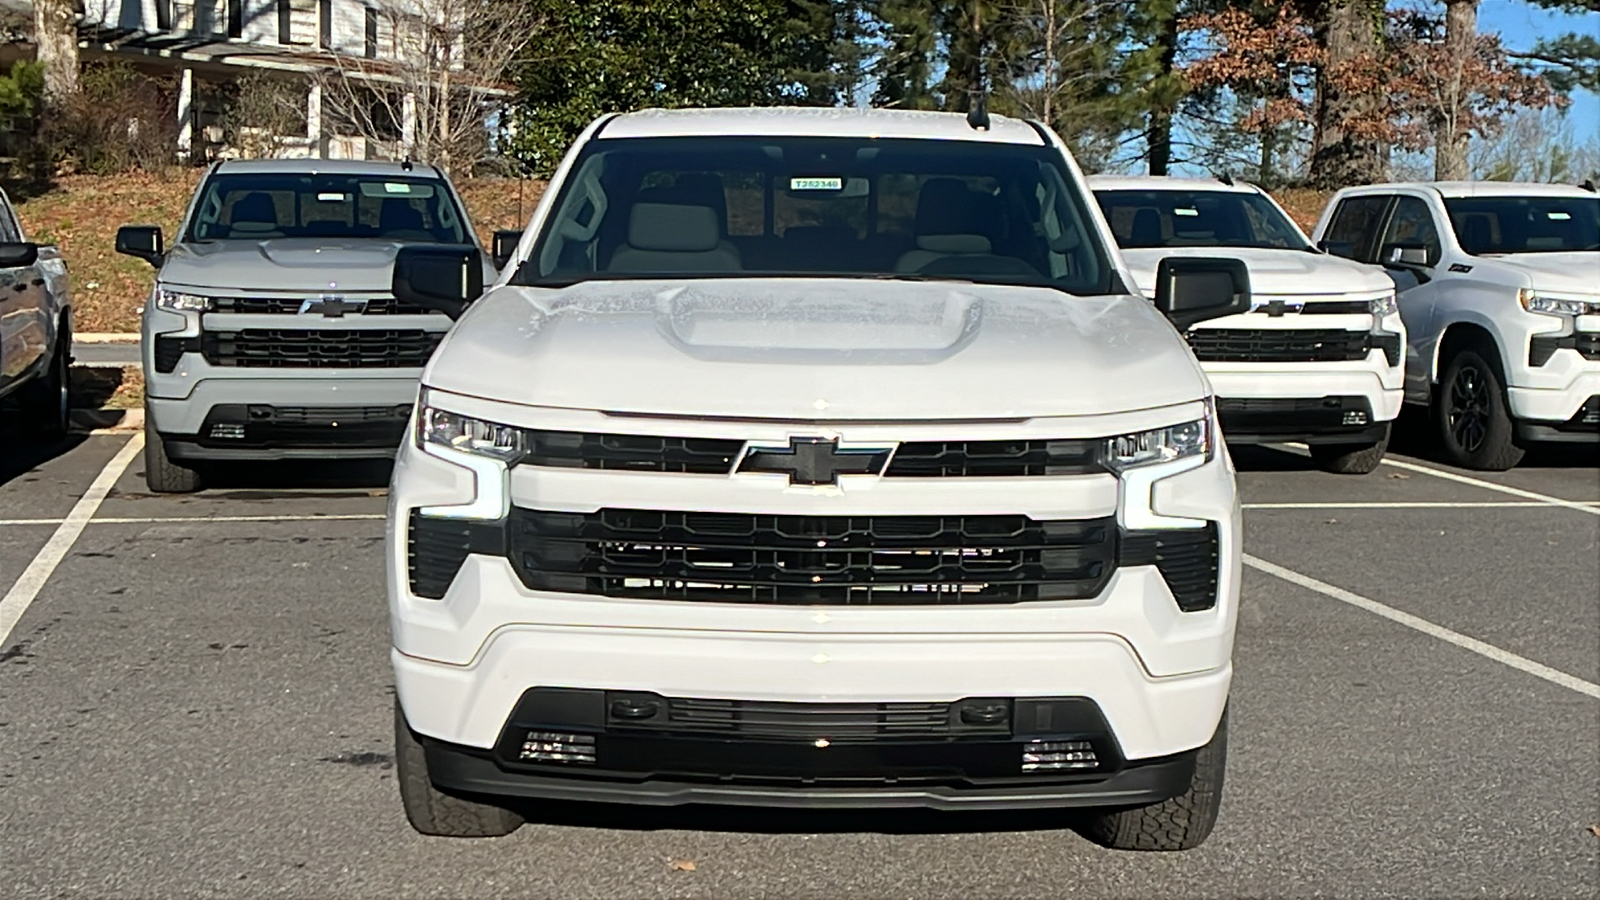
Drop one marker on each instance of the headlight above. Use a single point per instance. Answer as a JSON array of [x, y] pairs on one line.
[[1159, 445], [468, 435], [1532, 301], [177, 301], [1383, 306]]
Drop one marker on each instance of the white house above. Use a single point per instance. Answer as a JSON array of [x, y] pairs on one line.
[[210, 43]]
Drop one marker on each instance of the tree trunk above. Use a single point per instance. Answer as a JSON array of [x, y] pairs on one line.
[[1450, 143], [55, 28], [1337, 158], [1160, 134]]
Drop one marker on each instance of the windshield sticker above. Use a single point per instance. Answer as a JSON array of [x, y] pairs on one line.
[[393, 188], [1559, 215], [331, 197], [1186, 212], [396, 189], [816, 184]]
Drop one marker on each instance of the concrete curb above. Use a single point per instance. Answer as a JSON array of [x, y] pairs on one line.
[[92, 337], [107, 421]]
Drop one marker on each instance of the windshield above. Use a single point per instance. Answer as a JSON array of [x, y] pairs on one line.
[[261, 206], [1485, 225], [708, 207], [1144, 219]]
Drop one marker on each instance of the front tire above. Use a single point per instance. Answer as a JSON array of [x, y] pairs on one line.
[[432, 811], [162, 474], [1471, 416], [47, 402], [1181, 823], [1350, 459]]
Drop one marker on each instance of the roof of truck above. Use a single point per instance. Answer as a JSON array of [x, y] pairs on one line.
[[795, 121], [329, 166], [1480, 188], [1167, 183]]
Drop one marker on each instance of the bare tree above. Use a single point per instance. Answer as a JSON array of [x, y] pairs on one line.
[[1451, 140], [55, 35], [437, 73], [1058, 61], [264, 115]]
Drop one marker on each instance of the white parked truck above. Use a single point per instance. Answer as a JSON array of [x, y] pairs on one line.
[[1318, 358], [1500, 294], [35, 333], [815, 458]]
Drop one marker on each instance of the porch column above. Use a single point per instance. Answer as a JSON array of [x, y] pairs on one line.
[[408, 124], [319, 147], [185, 114]]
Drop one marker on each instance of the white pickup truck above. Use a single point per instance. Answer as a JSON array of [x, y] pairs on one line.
[[1500, 294], [1318, 356], [815, 458]]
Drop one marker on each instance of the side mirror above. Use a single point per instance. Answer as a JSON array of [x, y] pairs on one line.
[[441, 278], [1190, 290], [1406, 255], [16, 256], [142, 241], [505, 246], [1346, 249]]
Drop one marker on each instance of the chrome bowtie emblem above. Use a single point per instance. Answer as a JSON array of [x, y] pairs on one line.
[[333, 306], [815, 460]]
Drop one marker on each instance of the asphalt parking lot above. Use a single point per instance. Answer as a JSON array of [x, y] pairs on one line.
[[195, 700]]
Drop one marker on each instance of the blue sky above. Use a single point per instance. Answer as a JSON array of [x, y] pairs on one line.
[[1521, 25]]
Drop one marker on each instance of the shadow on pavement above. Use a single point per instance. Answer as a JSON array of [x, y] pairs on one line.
[[1414, 436], [21, 453], [760, 820], [300, 478]]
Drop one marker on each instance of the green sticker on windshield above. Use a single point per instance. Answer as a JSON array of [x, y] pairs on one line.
[[816, 184], [393, 188]]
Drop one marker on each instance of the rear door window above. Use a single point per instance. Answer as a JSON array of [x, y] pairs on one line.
[[1354, 226]]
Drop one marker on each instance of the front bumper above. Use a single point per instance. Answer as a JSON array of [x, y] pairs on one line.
[[281, 418], [1312, 402], [468, 770]]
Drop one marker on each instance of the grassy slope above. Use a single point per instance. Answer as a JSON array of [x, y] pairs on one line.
[[82, 214]]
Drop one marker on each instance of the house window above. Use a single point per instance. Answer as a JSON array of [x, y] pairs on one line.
[[325, 23], [371, 43], [235, 18], [297, 22], [199, 17], [380, 40]]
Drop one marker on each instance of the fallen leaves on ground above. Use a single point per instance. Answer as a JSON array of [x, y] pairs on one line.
[[681, 865], [1595, 830]]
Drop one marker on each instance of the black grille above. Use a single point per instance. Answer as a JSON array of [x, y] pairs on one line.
[[1279, 345], [838, 560], [264, 425], [436, 548], [322, 348], [838, 721], [1187, 560], [169, 350], [956, 459], [283, 306], [572, 449], [1544, 346]]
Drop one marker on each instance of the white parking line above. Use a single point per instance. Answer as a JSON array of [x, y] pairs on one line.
[[152, 520], [1488, 651], [20, 596], [1489, 485], [1412, 504]]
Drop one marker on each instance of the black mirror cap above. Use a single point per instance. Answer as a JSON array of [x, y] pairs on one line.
[[1190, 290], [1346, 249], [505, 245], [16, 255], [142, 241], [441, 278]]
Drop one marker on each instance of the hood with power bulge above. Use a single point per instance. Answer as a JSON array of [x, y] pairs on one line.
[[817, 349]]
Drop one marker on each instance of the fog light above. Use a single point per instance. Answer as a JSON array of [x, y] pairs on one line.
[[1058, 756], [227, 432], [1355, 417], [554, 746]]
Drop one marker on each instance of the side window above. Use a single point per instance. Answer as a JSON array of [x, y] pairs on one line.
[[1354, 224], [1412, 223], [10, 230]]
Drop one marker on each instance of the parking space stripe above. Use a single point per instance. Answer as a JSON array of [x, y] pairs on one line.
[[152, 520], [1486, 650], [33, 578], [1489, 485], [1411, 504]]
